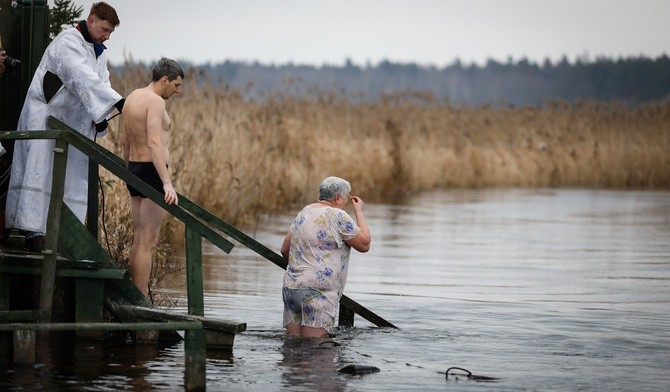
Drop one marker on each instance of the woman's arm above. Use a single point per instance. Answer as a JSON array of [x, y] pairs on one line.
[[362, 241], [286, 246]]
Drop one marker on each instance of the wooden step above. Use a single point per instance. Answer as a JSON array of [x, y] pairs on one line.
[[220, 333]]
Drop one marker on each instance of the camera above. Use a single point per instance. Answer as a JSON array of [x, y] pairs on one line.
[[11, 62]]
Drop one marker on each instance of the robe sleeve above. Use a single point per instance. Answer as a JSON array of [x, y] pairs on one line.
[[73, 64]]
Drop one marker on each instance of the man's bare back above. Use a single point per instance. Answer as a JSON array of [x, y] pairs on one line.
[[140, 119], [145, 126]]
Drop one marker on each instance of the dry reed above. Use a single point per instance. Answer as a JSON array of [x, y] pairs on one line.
[[239, 158]]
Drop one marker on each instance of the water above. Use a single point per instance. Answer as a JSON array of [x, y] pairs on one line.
[[543, 290]]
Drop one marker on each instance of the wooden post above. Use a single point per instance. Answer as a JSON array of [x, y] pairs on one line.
[[194, 344], [4, 291], [92, 207], [53, 222], [196, 360], [24, 346], [88, 294], [194, 277], [346, 318]]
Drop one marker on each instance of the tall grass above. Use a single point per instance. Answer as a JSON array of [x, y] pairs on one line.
[[239, 159]]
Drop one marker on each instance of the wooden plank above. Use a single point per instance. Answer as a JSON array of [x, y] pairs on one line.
[[15, 316], [176, 325], [53, 225], [34, 260], [102, 273], [194, 276], [209, 323], [24, 135]]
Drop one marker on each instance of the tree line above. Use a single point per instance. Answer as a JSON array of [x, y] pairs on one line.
[[632, 80], [629, 80]]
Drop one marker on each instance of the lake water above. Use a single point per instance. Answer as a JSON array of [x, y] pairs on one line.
[[541, 289]]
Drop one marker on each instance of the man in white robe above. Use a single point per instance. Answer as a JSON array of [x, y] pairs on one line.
[[72, 84]]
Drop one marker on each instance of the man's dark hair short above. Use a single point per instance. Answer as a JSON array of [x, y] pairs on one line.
[[106, 12], [166, 67]]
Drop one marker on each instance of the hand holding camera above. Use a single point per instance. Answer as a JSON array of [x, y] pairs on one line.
[[7, 62]]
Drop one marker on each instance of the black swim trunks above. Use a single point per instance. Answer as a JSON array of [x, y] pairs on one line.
[[147, 172]]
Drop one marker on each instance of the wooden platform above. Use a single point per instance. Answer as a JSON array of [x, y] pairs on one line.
[[100, 283]]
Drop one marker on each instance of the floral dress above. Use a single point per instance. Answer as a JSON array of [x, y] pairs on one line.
[[317, 265]]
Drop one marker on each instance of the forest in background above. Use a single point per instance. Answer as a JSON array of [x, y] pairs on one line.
[[631, 81]]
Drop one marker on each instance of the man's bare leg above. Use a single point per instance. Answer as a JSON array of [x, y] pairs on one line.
[[294, 329], [147, 219]]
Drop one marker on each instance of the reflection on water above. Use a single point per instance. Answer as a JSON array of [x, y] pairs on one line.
[[545, 290], [305, 362]]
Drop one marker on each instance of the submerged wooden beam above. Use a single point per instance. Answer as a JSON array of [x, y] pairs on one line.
[[219, 334], [172, 325], [164, 315]]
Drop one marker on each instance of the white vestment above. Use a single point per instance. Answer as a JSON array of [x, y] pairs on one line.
[[85, 98]]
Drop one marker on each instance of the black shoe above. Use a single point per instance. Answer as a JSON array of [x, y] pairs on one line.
[[15, 239], [35, 244]]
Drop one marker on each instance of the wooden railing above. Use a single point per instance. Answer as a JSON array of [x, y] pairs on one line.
[[196, 219]]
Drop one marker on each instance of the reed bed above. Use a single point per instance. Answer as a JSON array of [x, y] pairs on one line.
[[239, 158]]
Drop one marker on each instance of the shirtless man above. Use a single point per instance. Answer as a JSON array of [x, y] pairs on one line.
[[145, 150]]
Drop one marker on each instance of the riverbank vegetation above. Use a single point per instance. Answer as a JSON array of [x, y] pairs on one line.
[[241, 158]]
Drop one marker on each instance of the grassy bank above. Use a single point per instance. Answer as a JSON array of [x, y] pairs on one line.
[[239, 159]]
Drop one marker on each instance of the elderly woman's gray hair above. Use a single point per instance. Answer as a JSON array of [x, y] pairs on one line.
[[332, 186]]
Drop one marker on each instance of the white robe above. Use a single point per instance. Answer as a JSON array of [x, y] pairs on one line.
[[85, 98]]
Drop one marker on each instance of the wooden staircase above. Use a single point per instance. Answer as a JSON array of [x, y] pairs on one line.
[[72, 251]]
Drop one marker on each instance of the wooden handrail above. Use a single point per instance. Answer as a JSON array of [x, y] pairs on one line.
[[190, 213]]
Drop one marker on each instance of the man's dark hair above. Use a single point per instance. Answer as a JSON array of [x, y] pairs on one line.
[[106, 12], [166, 67]]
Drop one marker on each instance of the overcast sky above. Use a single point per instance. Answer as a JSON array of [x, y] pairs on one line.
[[427, 32]]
